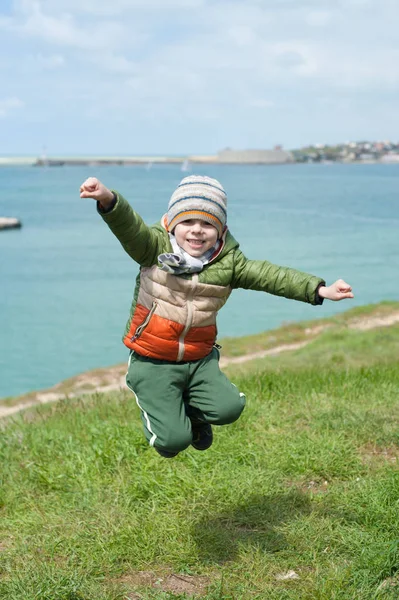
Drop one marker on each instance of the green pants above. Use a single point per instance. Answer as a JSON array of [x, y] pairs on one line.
[[170, 394]]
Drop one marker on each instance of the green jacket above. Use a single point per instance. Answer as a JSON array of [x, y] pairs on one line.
[[173, 317]]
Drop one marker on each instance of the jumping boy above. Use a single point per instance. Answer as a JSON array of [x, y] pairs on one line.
[[189, 265]]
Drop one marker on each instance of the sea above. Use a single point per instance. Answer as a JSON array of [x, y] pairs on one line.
[[66, 284]]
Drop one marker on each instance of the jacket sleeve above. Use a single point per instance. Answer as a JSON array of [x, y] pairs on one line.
[[264, 276], [142, 243]]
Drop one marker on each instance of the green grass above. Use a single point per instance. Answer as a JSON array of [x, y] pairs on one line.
[[306, 481], [300, 331]]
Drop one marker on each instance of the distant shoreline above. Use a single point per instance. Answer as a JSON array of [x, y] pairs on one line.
[[149, 161]]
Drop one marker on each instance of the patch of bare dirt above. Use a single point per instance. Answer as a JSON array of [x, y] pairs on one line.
[[367, 323], [226, 361], [193, 586], [389, 584], [372, 454], [99, 381], [313, 486], [317, 329], [113, 378], [287, 576]]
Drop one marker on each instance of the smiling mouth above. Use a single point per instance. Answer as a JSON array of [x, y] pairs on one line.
[[195, 242]]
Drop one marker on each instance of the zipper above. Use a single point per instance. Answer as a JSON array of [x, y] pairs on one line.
[[144, 324], [190, 314]]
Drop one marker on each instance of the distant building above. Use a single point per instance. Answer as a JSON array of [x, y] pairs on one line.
[[390, 158], [256, 157], [366, 156]]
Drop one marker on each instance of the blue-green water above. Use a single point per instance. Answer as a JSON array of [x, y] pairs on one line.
[[66, 284]]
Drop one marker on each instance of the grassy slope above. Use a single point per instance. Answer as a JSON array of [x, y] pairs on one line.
[[303, 330], [307, 480]]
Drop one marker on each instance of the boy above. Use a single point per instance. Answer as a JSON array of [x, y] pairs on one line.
[[189, 264]]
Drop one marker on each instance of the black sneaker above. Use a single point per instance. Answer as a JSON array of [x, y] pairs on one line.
[[165, 453], [202, 436]]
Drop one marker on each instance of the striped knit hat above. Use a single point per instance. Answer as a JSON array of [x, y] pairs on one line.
[[198, 197]]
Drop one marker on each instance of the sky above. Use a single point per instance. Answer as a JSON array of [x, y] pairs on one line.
[[180, 77]]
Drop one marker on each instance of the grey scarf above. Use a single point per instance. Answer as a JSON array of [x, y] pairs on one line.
[[179, 261]]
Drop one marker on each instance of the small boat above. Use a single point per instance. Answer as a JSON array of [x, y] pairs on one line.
[[10, 223], [186, 166]]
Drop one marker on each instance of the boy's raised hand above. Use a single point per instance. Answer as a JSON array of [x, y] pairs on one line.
[[336, 291], [93, 188]]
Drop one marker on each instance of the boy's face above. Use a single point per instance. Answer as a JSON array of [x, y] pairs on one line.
[[195, 236]]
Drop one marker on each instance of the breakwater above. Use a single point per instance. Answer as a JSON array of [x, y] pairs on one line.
[[227, 156], [79, 161]]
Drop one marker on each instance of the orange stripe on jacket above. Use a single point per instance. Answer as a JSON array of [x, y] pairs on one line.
[[199, 342], [160, 338]]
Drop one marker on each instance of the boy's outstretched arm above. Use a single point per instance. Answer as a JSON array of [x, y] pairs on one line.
[[141, 242], [284, 281], [339, 290]]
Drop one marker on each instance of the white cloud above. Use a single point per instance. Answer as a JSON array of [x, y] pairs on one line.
[[8, 105], [113, 63], [117, 7], [105, 8], [62, 30], [261, 103], [50, 62], [257, 40], [242, 35], [318, 18], [295, 56], [199, 59], [361, 3]]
